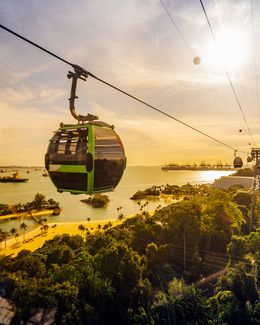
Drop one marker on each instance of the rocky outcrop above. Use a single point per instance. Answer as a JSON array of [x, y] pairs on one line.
[[7, 311]]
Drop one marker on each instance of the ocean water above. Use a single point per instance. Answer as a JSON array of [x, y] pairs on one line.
[[134, 179]]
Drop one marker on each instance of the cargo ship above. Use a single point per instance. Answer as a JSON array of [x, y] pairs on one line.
[[13, 179]]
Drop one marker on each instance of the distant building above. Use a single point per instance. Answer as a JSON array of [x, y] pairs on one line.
[[226, 181]]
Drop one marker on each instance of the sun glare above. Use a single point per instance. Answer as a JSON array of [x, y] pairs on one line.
[[229, 49]]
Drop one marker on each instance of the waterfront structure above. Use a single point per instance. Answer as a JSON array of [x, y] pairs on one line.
[[225, 182]]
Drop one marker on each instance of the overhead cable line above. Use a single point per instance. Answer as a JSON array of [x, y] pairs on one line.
[[87, 73], [254, 51], [227, 74], [176, 27]]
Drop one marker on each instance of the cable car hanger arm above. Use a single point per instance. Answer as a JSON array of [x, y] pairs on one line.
[[82, 74]]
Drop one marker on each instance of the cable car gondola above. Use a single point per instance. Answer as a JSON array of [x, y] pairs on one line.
[[238, 162], [87, 157]]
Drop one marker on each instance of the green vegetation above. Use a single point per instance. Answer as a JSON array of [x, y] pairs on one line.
[[97, 200], [174, 190], [38, 203], [5, 209], [147, 270], [244, 172]]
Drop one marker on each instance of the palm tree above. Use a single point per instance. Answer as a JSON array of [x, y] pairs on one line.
[[41, 229], [1, 237], [120, 217], [13, 231], [16, 236], [45, 228], [53, 227], [5, 235], [82, 229], [23, 227]]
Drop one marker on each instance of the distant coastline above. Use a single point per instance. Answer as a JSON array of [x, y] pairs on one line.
[[225, 167]]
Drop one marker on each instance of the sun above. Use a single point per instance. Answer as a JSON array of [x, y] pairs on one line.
[[230, 49]]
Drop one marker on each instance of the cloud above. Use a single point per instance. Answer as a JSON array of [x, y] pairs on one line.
[[133, 45]]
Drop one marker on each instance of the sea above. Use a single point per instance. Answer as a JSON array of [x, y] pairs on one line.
[[135, 178]]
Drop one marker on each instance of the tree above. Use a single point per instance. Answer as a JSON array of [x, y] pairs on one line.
[[53, 227], [182, 221], [13, 232], [82, 229], [123, 267], [45, 228], [23, 227], [5, 235], [39, 201], [220, 219], [243, 198]]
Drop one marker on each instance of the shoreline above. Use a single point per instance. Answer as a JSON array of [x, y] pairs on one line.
[[37, 213], [35, 239]]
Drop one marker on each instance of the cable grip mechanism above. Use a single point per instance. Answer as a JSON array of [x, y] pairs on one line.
[[79, 73]]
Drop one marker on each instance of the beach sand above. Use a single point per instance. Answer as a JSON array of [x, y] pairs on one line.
[[35, 239], [33, 214]]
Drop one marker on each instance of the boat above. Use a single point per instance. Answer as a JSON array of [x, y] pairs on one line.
[[13, 179]]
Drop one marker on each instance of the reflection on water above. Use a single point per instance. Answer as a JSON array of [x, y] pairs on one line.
[[134, 179]]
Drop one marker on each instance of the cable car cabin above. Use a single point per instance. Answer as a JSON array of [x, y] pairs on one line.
[[238, 162], [85, 158]]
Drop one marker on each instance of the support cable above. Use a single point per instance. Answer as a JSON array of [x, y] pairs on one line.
[[255, 64], [87, 73], [177, 28], [227, 74]]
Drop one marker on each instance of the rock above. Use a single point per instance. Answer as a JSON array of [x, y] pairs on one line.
[[41, 316], [7, 311]]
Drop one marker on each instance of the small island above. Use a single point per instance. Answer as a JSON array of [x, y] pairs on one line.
[[176, 191], [39, 205], [97, 201]]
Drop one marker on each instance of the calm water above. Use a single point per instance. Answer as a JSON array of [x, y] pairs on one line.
[[134, 179]]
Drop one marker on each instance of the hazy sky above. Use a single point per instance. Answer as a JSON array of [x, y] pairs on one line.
[[131, 44]]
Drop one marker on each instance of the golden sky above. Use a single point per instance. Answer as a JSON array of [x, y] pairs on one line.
[[133, 45]]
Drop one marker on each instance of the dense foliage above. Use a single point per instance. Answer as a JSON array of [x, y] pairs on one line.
[[39, 202], [97, 200], [244, 172], [174, 190], [147, 270]]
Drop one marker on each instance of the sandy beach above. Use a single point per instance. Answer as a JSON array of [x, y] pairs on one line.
[[32, 214], [35, 239]]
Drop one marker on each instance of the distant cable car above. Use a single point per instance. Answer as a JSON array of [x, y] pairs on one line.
[[238, 162], [87, 157]]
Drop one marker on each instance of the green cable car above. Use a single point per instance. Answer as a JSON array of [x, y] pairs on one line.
[[87, 157]]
